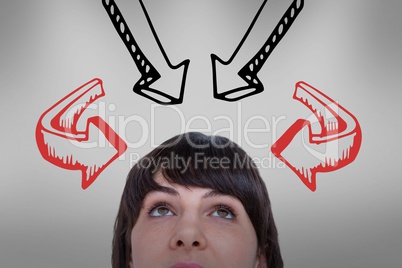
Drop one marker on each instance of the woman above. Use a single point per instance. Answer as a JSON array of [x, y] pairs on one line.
[[195, 201]]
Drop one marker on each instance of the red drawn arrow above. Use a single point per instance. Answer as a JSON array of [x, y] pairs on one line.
[[62, 144], [328, 140]]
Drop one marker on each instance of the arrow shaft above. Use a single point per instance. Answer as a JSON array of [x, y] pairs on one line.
[[142, 63], [243, 40], [254, 65]]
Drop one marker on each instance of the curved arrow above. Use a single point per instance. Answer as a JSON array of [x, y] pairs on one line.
[[149, 74], [248, 71], [62, 144], [328, 140]]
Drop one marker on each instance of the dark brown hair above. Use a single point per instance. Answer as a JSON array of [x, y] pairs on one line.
[[213, 162]]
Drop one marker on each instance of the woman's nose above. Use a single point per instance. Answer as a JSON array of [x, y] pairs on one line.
[[188, 234]]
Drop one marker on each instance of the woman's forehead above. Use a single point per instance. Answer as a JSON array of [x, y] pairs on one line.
[[174, 189], [161, 180]]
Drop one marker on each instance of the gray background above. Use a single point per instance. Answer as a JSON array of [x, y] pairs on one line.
[[349, 49]]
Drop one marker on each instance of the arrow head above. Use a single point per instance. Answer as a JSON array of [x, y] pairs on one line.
[[235, 84], [168, 81], [62, 144], [328, 140]]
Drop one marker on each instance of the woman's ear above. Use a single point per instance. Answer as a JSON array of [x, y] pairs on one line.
[[261, 260]]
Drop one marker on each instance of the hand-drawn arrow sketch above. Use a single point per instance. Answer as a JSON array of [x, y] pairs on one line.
[[61, 142], [328, 140], [236, 67], [149, 74]]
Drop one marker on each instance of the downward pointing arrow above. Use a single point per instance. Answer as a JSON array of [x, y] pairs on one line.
[[149, 74], [62, 144], [235, 68], [333, 137]]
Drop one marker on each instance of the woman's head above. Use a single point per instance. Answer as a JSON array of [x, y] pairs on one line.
[[195, 199]]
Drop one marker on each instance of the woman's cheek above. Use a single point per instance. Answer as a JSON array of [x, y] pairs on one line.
[[150, 235], [233, 240], [153, 228]]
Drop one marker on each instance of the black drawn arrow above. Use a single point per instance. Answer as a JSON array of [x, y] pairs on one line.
[[149, 74], [235, 68]]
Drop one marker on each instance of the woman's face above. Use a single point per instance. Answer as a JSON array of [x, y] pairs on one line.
[[193, 228]]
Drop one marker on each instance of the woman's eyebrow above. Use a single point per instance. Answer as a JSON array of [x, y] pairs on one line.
[[215, 193], [174, 192], [161, 189], [166, 190]]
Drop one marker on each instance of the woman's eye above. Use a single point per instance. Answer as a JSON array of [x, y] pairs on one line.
[[161, 211], [223, 213]]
